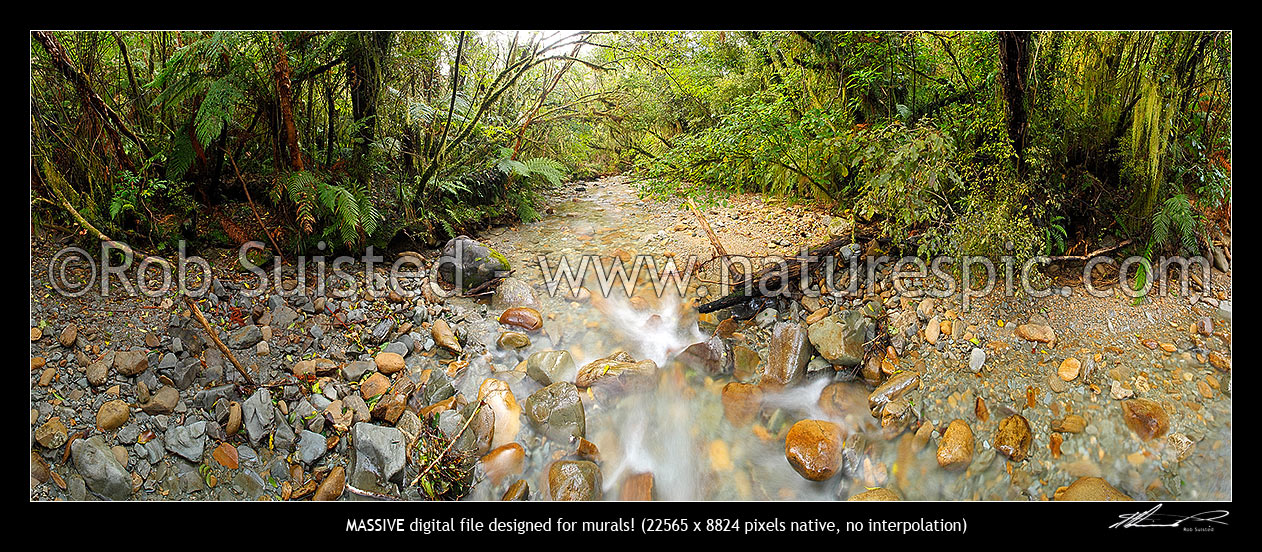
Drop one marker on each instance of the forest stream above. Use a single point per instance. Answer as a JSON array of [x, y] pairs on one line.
[[575, 395]]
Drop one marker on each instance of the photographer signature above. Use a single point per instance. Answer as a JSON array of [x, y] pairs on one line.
[[1151, 518]]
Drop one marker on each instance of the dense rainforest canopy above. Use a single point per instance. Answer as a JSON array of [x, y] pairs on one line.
[[973, 142]]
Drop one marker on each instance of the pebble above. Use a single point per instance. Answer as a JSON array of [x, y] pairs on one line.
[[525, 318], [1146, 418], [1013, 438], [389, 363], [1069, 369]]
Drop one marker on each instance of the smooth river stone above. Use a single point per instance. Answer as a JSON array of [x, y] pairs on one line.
[[525, 318]]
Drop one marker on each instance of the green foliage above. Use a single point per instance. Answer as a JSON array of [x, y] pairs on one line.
[[905, 175], [1176, 224], [347, 210]]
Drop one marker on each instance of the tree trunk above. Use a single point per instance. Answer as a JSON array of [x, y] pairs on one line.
[[1014, 68], [284, 95], [364, 71]]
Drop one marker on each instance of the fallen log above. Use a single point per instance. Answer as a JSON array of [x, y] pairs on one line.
[[775, 279]]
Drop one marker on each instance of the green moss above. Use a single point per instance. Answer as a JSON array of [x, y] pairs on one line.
[[499, 257]]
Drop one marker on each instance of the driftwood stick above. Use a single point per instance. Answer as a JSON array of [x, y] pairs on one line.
[[370, 494], [197, 313], [714, 240], [1089, 255]]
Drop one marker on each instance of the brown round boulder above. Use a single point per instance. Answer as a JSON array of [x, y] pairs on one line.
[[813, 448], [574, 480], [525, 318], [955, 449], [112, 415]]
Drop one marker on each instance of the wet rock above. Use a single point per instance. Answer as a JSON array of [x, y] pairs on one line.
[[741, 403], [51, 434], [1036, 332], [710, 357], [519, 490], [98, 372], [839, 338], [389, 363], [955, 449], [381, 331], [444, 336], [100, 468], [549, 367], [1013, 438], [69, 335], [513, 292], [1090, 488], [249, 483], [1146, 418], [356, 370], [499, 398], [618, 373], [244, 337], [163, 401], [789, 352], [745, 363], [408, 423], [379, 453], [358, 408], [130, 363], [557, 411], [1072, 423], [878, 494], [112, 415], [505, 461], [980, 410], [478, 437], [813, 448], [933, 331], [574, 480], [257, 415], [1069, 369], [311, 446], [471, 262], [892, 389], [976, 359], [375, 385], [188, 441], [513, 340], [638, 487], [389, 407], [332, 486], [525, 318]]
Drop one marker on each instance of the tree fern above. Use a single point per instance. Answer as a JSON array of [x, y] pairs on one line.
[[1176, 223], [215, 110], [180, 157]]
